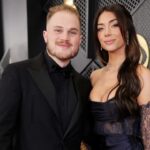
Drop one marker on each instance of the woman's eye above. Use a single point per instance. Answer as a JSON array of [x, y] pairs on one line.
[[99, 29], [115, 25]]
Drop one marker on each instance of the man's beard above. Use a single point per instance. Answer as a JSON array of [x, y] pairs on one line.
[[62, 56]]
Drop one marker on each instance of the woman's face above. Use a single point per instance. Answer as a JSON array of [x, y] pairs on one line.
[[108, 32]]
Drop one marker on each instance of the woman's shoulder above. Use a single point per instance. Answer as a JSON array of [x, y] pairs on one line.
[[95, 75], [143, 72], [144, 75]]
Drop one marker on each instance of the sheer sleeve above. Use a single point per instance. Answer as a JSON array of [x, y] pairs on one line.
[[145, 125]]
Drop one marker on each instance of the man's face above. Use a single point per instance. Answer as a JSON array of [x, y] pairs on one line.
[[62, 36]]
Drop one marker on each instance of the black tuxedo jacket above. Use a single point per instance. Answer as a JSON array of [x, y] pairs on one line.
[[28, 109]]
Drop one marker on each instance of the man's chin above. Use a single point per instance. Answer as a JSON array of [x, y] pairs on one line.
[[67, 57]]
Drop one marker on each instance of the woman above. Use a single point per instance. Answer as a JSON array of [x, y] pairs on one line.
[[120, 96]]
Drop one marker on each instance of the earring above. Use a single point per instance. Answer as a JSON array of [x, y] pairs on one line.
[[101, 49], [127, 38]]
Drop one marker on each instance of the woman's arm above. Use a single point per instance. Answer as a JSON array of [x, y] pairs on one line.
[[145, 125], [144, 102]]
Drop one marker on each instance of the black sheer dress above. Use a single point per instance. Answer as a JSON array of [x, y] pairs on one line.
[[110, 132]]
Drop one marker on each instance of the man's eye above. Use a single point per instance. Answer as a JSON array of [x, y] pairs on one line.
[[58, 31], [73, 32]]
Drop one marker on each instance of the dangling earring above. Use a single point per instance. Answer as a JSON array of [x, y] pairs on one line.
[[127, 38], [101, 48]]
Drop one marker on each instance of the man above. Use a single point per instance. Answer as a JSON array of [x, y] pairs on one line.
[[43, 100]]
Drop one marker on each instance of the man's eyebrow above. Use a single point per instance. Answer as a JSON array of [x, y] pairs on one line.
[[58, 27], [109, 22], [73, 28]]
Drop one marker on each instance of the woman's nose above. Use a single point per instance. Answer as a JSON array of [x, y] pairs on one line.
[[107, 31]]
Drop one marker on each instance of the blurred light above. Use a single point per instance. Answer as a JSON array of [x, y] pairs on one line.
[[143, 44], [70, 3]]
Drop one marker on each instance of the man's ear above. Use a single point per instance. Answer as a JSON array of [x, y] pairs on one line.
[[45, 36]]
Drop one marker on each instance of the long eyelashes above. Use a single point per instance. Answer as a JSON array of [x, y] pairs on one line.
[[113, 25]]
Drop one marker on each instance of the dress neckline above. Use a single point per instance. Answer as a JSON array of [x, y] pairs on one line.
[[100, 102]]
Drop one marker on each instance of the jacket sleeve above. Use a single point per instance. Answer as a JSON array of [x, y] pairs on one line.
[[145, 125], [9, 103]]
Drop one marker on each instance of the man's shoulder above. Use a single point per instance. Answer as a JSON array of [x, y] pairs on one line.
[[23, 65], [79, 75], [82, 80], [27, 62]]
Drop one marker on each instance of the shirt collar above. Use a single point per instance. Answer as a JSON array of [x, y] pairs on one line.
[[55, 68]]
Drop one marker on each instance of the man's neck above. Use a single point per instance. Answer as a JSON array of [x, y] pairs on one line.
[[61, 63]]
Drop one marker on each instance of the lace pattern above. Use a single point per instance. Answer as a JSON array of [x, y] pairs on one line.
[[128, 126], [145, 125]]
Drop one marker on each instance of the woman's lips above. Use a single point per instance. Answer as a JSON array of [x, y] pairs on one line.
[[109, 42]]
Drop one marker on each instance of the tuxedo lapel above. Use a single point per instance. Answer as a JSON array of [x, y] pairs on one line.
[[41, 77], [78, 108]]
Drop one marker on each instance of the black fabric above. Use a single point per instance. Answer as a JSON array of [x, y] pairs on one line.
[[28, 109], [66, 98], [111, 133], [54, 68]]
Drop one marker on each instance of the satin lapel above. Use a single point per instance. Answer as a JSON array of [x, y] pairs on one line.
[[41, 77], [77, 111]]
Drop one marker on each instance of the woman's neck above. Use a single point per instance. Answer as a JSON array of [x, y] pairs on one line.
[[112, 67]]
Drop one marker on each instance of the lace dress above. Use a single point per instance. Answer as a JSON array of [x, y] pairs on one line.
[[112, 133]]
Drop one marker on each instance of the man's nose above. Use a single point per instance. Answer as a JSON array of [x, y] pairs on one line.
[[65, 36]]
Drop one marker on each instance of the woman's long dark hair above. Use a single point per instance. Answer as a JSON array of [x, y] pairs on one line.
[[129, 85]]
